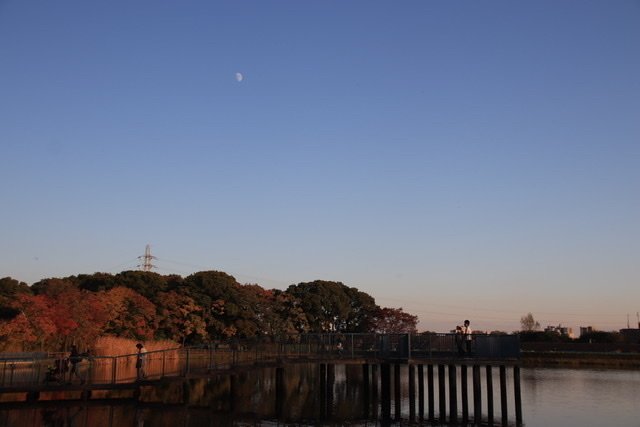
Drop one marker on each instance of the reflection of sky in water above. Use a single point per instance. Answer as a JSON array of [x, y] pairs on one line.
[[579, 397]]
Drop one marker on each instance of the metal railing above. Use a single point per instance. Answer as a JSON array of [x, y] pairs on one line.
[[41, 370]]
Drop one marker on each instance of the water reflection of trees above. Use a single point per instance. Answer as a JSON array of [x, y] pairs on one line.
[[248, 396]]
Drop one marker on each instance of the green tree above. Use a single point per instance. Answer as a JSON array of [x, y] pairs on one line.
[[334, 307], [231, 308], [362, 312], [96, 282], [289, 314], [146, 283]]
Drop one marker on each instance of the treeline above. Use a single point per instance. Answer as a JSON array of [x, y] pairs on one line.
[[209, 305], [600, 337]]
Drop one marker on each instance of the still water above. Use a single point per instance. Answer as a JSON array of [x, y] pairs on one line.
[[550, 397], [580, 397]]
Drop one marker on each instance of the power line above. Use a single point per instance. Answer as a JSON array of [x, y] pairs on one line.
[[475, 308]]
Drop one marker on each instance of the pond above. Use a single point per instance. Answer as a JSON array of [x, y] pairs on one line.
[[550, 397]]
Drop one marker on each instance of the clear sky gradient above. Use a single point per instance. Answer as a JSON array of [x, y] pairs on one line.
[[461, 160]]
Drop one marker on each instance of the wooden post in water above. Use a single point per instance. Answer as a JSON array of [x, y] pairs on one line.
[[233, 394], [279, 391], [374, 381], [385, 390], [412, 392], [396, 390], [489, 395], [366, 392], [323, 390], [421, 391], [477, 396], [465, 394], [430, 389], [374, 392], [453, 394], [442, 395], [518, 397], [503, 395]]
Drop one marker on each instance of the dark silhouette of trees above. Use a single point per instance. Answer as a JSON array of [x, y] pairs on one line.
[[601, 337], [96, 282], [528, 323], [9, 288], [327, 305], [146, 283], [9, 312]]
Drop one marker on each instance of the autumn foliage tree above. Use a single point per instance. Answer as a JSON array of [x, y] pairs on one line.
[[394, 321], [181, 319], [54, 313], [15, 331], [130, 315]]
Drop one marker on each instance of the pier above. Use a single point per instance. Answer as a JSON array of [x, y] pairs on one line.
[[463, 384]]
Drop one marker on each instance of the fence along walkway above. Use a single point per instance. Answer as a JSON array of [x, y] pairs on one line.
[[41, 371], [36, 373]]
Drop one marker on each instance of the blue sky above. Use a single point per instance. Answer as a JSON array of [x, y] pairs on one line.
[[458, 159]]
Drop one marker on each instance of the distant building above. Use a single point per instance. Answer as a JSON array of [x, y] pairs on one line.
[[584, 330], [560, 330]]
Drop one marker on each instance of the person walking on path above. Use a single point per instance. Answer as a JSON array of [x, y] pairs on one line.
[[140, 361]]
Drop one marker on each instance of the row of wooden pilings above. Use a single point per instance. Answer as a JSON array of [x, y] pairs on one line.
[[378, 385]]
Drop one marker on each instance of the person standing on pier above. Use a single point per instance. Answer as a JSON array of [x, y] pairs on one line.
[[466, 330], [140, 361], [74, 359], [459, 338]]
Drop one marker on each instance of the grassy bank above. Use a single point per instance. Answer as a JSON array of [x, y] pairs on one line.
[[572, 359]]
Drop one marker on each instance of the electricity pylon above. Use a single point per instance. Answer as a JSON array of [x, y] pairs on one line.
[[146, 259]]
